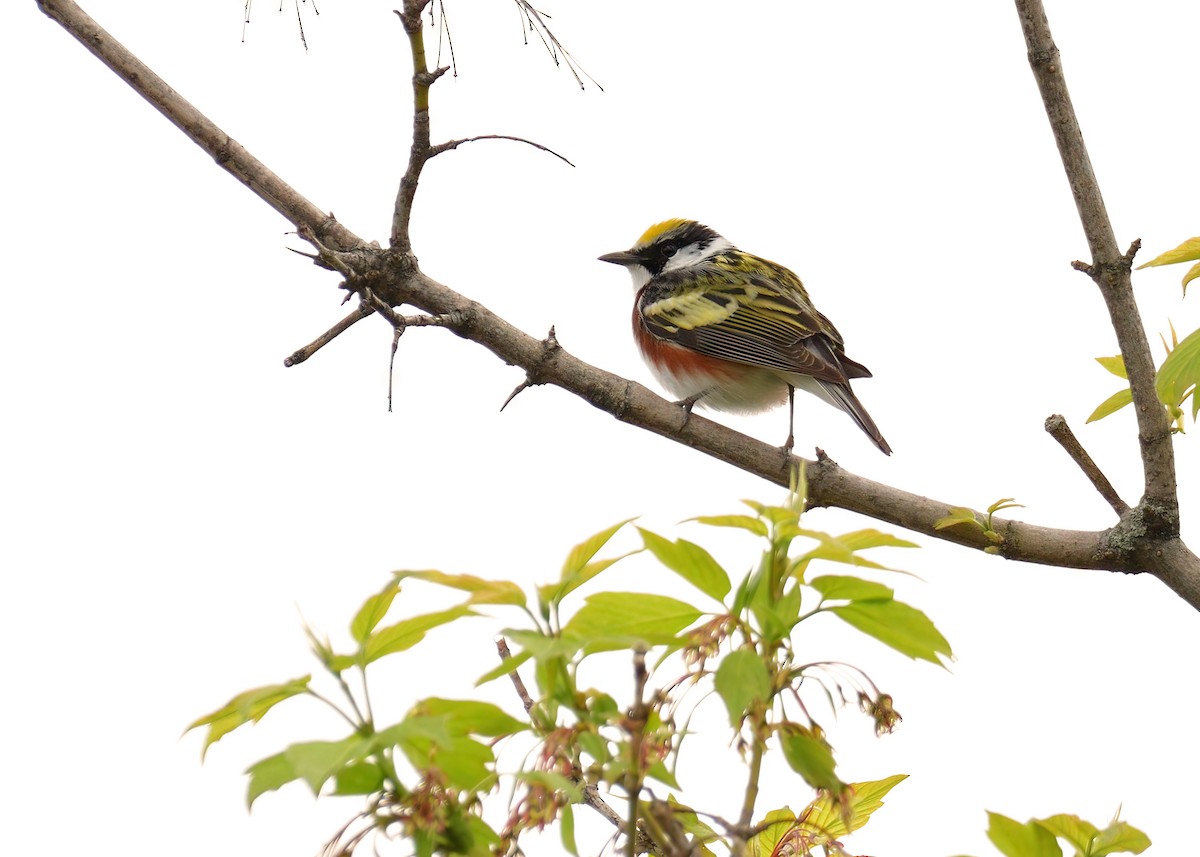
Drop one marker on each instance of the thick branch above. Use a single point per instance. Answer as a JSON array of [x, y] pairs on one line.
[[1132, 546], [829, 484], [1109, 268]]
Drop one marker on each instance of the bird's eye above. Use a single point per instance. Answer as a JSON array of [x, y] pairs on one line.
[[669, 250]]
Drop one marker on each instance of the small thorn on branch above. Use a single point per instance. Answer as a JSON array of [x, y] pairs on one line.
[[1132, 251], [533, 375], [1056, 426]]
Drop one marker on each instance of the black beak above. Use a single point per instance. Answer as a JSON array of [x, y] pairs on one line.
[[622, 257]]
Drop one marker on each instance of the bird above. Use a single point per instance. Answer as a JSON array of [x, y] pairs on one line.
[[731, 331]]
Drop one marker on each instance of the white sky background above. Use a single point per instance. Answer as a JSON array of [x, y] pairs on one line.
[[175, 499]]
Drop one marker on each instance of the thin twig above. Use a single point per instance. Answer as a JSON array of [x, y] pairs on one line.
[[537, 23], [1058, 429], [505, 654], [302, 354], [454, 144], [638, 716]]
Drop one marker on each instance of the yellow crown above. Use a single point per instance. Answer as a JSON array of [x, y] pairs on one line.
[[659, 229]]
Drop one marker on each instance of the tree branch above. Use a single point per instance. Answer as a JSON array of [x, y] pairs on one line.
[[1057, 428], [1139, 542], [420, 151], [1109, 269]]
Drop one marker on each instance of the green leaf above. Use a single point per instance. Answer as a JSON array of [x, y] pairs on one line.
[[466, 764], [690, 822], [1114, 364], [825, 816], [430, 742], [894, 623], [506, 666], [1111, 405], [267, 775], [359, 778], [582, 553], [553, 781], [1188, 251], [486, 841], [771, 830], [247, 707], [1118, 837], [578, 567], [612, 618], [482, 591], [842, 587], [418, 732], [809, 755], [742, 682], [1180, 373], [1002, 504], [742, 522], [1021, 840], [471, 716], [567, 830], [316, 761], [408, 632], [957, 515], [775, 514], [373, 611], [691, 562], [1072, 828], [659, 771], [1193, 273], [845, 548], [863, 539]]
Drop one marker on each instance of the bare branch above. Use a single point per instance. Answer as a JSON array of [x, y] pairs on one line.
[[636, 726], [518, 683], [1058, 429], [1109, 269], [454, 144], [302, 354], [535, 22], [1143, 541], [420, 151]]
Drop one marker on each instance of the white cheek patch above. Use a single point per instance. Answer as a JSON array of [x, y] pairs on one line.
[[639, 275], [693, 254]]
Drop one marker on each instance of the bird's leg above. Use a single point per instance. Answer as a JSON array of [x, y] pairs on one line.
[[687, 405], [791, 438]]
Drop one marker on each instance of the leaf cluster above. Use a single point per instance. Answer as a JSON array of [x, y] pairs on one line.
[[1179, 374], [433, 778]]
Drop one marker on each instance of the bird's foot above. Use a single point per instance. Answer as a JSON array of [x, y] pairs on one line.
[[687, 405]]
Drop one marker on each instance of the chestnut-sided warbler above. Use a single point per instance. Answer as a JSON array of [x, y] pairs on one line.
[[731, 331]]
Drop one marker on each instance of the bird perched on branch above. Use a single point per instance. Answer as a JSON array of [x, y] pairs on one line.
[[731, 331]]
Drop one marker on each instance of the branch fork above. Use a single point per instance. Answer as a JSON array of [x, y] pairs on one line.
[[1148, 543]]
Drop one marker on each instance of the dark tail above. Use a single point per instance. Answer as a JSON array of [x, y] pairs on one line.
[[842, 396]]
